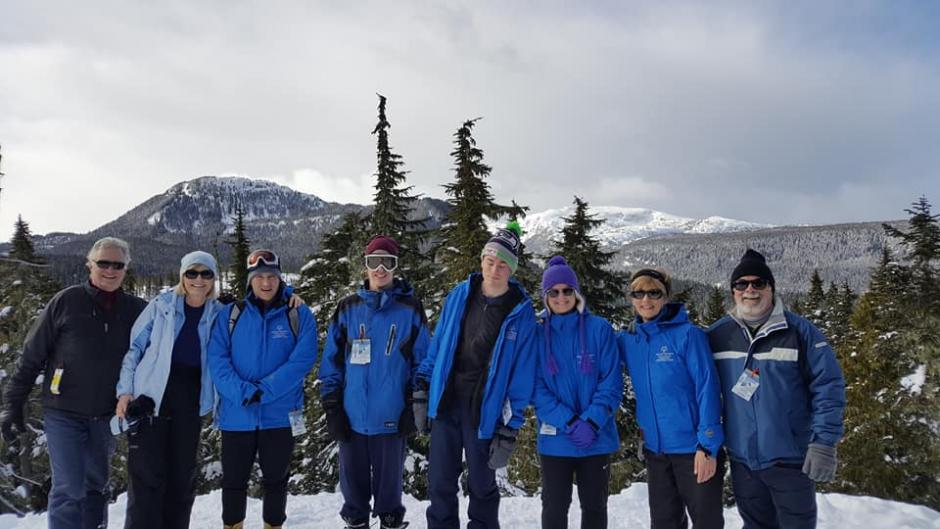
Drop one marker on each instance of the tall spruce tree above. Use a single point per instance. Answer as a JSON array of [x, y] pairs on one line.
[[716, 307], [21, 245], [603, 288], [241, 248]]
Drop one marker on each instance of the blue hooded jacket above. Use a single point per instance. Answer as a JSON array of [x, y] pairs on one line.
[[261, 353], [571, 392], [678, 401], [146, 366], [511, 375], [801, 395], [375, 394]]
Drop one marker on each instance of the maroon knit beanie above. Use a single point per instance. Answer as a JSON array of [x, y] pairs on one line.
[[382, 242]]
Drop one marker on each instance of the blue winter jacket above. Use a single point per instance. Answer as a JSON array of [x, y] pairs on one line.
[[146, 366], [261, 353], [511, 375], [678, 403], [374, 394], [801, 395], [572, 393]]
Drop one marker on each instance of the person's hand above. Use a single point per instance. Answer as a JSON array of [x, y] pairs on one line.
[[295, 301], [501, 447], [121, 409], [705, 466], [12, 423], [582, 434], [820, 462], [337, 422]]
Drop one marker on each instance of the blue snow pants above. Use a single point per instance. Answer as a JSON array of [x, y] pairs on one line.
[[779, 497]]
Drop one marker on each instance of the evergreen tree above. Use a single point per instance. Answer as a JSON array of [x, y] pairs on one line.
[[602, 287], [21, 246], [816, 298], [241, 248], [716, 306], [922, 244]]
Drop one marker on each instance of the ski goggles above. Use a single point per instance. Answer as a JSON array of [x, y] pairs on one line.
[[386, 261], [263, 257]]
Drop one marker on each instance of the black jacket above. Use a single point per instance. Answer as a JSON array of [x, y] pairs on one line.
[[88, 343]]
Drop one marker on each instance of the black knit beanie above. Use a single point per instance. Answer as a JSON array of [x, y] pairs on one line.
[[753, 264]]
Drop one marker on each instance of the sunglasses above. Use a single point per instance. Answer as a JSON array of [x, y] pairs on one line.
[[265, 257], [554, 292], [741, 284], [113, 265], [193, 274], [652, 294], [388, 262]]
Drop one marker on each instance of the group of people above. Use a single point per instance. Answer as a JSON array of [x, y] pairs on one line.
[[760, 390]]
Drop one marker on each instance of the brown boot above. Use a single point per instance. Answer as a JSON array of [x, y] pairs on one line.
[[269, 526], [239, 525]]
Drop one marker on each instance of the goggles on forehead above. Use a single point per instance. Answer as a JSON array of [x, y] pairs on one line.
[[266, 257], [386, 261]]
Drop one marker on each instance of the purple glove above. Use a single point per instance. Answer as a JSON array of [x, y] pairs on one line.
[[582, 434]]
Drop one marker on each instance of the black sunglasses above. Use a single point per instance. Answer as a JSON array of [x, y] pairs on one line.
[[741, 284], [652, 294], [554, 293], [193, 274], [113, 265]]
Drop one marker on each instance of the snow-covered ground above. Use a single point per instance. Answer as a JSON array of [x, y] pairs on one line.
[[627, 510]]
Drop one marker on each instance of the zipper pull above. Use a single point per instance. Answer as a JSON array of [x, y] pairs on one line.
[[106, 327]]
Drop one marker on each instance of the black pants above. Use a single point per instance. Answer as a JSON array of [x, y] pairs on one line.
[[274, 448], [673, 489], [592, 474], [778, 497], [161, 457]]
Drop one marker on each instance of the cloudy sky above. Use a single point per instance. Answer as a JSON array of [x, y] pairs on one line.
[[794, 112]]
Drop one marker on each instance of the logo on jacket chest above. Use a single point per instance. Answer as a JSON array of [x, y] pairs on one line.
[[665, 355], [279, 332]]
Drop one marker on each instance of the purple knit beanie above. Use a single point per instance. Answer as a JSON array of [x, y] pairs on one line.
[[559, 273]]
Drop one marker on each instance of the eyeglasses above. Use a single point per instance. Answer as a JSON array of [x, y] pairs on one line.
[[555, 292], [113, 265], [652, 294], [741, 284], [376, 260], [193, 274], [266, 257]]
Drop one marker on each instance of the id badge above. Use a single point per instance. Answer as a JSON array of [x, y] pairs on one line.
[[298, 426], [747, 384], [548, 429], [361, 352]]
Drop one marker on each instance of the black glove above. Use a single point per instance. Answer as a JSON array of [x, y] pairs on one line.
[[337, 422], [419, 408], [501, 447], [12, 423], [254, 398], [140, 408]]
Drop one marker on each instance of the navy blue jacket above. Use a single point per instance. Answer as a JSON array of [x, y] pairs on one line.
[[591, 396], [374, 394], [801, 396], [511, 375], [261, 353], [678, 404]]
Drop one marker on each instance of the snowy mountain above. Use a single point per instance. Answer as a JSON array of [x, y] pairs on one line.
[[624, 225], [627, 510]]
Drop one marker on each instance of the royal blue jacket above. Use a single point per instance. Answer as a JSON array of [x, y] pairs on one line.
[[261, 353], [801, 395], [589, 390], [147, 364], [374, 394], [511, 375], [678, 403]]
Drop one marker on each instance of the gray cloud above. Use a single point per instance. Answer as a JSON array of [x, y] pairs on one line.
[[818, 114]]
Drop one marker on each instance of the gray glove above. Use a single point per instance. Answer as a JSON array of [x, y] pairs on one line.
[[820, 463], [419, 405], [501, 447]]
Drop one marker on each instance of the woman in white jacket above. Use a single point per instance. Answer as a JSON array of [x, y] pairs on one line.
[[165, 389]]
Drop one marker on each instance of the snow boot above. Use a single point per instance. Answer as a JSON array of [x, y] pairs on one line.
[[269, 526], [392, 521], [239, 525], [355, 524]]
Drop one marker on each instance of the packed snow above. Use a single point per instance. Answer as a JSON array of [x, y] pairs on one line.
[[626, 510]]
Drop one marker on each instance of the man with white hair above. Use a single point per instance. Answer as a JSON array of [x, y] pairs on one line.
[[78, 343]]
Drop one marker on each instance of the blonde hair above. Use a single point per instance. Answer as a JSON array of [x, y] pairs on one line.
[[643, 281], [180, 287]]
